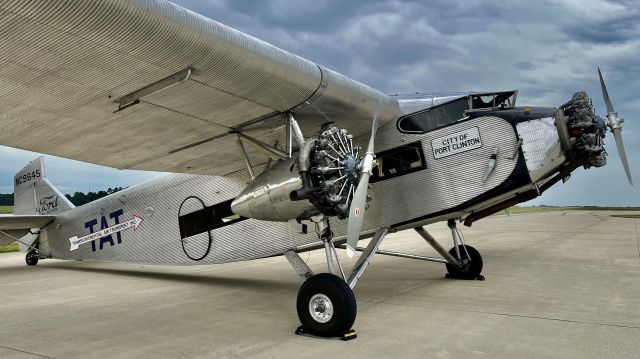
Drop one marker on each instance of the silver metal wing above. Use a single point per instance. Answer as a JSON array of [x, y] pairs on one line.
[[149, 85]]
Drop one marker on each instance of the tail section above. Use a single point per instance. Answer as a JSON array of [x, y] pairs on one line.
[[34, 194]]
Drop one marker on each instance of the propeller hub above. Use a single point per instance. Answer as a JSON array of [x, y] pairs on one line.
[[614, 121], [334, 172], [351, 164]]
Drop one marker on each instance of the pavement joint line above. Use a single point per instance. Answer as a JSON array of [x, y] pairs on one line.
[[26, 352], [530, 230], [546, 318], [120, 304], [515, 315], [428, 282], [637, 239], [26, 282], [71, 312], [533, 244]]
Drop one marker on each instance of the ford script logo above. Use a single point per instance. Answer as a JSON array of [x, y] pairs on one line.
[[48, 204]]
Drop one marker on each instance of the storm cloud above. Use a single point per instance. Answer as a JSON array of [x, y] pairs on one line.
[[546, 49]]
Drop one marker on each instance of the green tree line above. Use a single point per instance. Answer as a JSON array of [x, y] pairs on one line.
[[6, 199], [78, 198]]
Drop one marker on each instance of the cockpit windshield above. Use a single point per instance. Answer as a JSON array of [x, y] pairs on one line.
[[452, 110]]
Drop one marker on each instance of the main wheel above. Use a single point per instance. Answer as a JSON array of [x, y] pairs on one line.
[[32, 258], [326, 305], [471, 267]]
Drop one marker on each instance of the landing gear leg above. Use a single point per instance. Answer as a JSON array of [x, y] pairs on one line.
[[470, 260], [33, 254], [326, 304], [462, 261]]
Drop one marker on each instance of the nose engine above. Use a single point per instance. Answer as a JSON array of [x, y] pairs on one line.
[[584, 131], [321, 179], [581, 131]]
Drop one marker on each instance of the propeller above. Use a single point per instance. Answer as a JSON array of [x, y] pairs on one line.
[[359, 201], [615, 124]]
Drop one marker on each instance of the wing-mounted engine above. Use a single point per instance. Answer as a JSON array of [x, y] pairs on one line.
[[321, 179], [331, 181], [329, 170]]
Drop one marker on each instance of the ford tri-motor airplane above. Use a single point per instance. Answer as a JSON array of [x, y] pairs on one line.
[[272, 154]]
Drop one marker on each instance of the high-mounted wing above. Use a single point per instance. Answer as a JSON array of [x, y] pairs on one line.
[[149, 85]]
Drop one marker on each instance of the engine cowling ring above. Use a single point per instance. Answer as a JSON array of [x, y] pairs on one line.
[[331, 174]]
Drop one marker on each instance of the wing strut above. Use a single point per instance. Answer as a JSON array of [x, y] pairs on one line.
[[267, 149], [245, 157]]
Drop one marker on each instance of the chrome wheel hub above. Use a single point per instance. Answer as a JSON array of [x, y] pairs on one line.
[[321, 308]]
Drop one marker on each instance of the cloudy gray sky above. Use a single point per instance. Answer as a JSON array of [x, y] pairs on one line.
[[546, 49]]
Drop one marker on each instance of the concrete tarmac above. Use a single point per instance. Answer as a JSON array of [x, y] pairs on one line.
[[558, 285]]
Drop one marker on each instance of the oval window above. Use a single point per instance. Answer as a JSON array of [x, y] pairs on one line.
[[194, 228]]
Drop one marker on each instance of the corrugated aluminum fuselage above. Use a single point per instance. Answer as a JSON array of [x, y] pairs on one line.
[[451, 184]]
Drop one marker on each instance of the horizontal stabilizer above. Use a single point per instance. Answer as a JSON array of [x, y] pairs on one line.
[[17, 222], [14, 227]]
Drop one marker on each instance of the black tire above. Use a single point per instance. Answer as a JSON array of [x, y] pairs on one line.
[[32, 258], [470, 269], [342, 300]]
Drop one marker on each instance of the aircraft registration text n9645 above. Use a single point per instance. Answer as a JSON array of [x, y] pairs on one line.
[[455, 143], [27, 177]]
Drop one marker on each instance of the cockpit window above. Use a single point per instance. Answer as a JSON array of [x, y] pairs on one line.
[[493, 100], [432, 118], [447, 113]]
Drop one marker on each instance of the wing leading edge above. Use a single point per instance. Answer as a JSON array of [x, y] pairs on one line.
[[65, 65]]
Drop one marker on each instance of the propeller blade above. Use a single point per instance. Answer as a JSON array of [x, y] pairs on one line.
[[617, 134], [374, 127], [356, 214], [614, 123], [605, 94], [359, 201]]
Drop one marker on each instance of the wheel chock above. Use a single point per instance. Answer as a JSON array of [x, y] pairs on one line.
[[350, 335], [453, 276]]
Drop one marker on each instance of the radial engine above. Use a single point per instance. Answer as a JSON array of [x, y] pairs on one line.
[[321, 180]]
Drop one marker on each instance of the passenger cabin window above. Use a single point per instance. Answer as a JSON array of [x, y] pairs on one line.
[[399, 161], [193, 223], [206, 219], [435, 117]]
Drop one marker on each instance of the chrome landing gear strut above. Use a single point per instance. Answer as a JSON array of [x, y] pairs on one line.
[[462, 261], [326, 304]]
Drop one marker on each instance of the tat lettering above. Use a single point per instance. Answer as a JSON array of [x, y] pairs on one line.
[[104, 223]]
